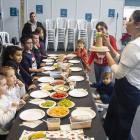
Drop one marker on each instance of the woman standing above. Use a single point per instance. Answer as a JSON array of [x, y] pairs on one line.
[[126, 97], [100, 61]]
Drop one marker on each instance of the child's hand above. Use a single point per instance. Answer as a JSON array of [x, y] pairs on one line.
[[32, 86], [21, 103], [24, 96], [46, 54], [88, 68], [89, 81], [42, 64], [14, 105], [41, 70], [35, 78], [19, 82]]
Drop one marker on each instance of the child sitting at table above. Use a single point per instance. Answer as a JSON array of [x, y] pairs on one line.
[[12, 56], [7, 110], [105, 89], [35, 50], [15, 91], [28, 61]]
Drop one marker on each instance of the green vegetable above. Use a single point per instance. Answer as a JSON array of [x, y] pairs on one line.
[[65, 103], [47, 104], [69, 64], [62, 88]]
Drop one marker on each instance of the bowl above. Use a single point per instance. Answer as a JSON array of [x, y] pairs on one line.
[[58, 98], [54, 81], [47, 107], [57, 74], [49, 87], [68, 57], [61, 89], [58, 60]]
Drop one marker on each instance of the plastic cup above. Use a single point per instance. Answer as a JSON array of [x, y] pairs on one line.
[[53, 123]]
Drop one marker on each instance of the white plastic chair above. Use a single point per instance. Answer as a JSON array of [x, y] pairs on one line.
[[93, 30], [82, 31], [71, 33], [50, 31], [60, 31], [5, 40]]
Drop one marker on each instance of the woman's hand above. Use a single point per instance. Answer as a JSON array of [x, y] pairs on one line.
[[106, 40]]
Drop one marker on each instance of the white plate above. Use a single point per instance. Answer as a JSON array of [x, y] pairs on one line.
[[74, 61], [75, 68], [53, 55], [72, 55], [84, 111], [45, 79], [47, 107], [46, 72], [48, 63], [58, 81], [76, 78], [43, 84], [78, 93], [99, 49], [40, 94], [57, 116], [47, 60], [32, 114], [68, 57], [60, 86], [49, 68], [58, 98]]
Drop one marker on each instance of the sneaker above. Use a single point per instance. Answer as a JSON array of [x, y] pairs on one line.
[[95, 96]]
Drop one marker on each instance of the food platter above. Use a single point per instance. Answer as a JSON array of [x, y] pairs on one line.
[[40, 94], [78, 93]]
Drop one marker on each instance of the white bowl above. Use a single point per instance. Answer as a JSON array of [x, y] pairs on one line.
[[54, 88], [47, 107], [57, 74], [58, 98], [46, 89], [57, 81]]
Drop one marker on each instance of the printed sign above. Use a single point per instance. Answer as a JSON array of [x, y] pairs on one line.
[[13, 11], [88, 17], [39, 9], [63, 13], [111, 13]]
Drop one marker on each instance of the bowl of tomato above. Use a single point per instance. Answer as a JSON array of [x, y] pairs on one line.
[[59, 60], [58, 95], [68, 57], [57, 82]]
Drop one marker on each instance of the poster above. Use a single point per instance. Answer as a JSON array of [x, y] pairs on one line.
[[88, 17], [63, 13], [39, 9], [111, 13], [13, 11]]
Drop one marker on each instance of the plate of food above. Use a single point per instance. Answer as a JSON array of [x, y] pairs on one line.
[[66, 103], [49, 68], [74, 61], [75, 68], [78, 93], [76, 78], [57, 82], [58, 95], [82, 111], [32, 114], [58, 111], [47, 104], [68, 57], [39, 94], [45, 79], [59, 60], [46, 87], [61, 88], [48, 60]]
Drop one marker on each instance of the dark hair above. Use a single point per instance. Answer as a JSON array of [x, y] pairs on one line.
[[81, 40], [32, 13], [106, 74], [9, 50], [33, 33], [136, 16], [101, 23], [38, 30], [24, 39]]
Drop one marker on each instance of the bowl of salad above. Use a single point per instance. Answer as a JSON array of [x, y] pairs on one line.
[[47, 104], [61, 88]]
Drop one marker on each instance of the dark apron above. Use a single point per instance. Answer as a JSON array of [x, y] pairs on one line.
[[121, 111]]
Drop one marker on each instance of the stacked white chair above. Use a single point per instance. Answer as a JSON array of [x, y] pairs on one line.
[[5, 40], [60, 31], [71, 33], [82, 31], [50, 32], [93, 30]]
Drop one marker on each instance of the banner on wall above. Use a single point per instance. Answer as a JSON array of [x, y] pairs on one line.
[[63, 12], [111, 13], [88, 17], [39, 9], [13, 11], [22, 14]]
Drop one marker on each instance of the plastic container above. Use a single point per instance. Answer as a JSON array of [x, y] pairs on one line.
[[53, 123], [57, 74], [78, 122]]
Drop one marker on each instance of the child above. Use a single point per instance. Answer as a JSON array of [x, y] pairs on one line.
[[15, 91], [28, 60], [12, 56], [104, 89], [41, 44], [35, 50], [7, 110]]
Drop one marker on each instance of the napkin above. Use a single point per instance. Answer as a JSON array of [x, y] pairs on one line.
[[36, 101], [32, 124]]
